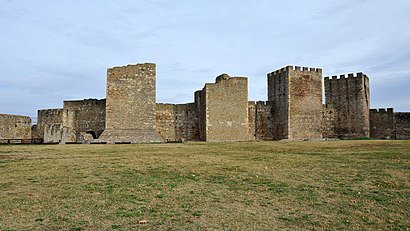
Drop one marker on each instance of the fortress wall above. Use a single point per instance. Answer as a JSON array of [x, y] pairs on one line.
[[165, 117], [329, 122], [131, 104], [305, 103], [85, 116], [278, 93], [402, 120], [296, 94], [177, 121], [264, 120], [47, 117], [15, 127], [225, 103], [251, 120], [53, 133], [200, 103], [350, 99], [186, 122], [382, 124]]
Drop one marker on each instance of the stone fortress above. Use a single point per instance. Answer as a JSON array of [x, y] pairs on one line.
[[220, 112]]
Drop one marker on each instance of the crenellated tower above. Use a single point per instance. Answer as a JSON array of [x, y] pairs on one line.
[[347, 106], [296, 94]]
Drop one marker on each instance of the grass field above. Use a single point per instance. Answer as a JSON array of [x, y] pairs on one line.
[[355, 185]]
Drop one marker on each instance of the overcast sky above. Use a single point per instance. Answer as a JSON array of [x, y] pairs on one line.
[[60, 50]]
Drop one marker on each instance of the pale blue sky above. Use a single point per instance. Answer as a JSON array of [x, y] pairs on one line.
[[60, 50]]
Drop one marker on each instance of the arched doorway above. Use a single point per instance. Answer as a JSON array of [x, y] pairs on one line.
[[92, 133]]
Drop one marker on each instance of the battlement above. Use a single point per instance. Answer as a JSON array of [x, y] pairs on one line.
[[295, 69], [50, 112], [349, 76], [85, 102], [382, 110]]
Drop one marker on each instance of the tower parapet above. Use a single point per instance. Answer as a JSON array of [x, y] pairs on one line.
[[349, 97], [296, 93]]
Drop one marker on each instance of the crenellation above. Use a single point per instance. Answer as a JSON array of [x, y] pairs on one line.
[[357, 76], [220, 111], [382, 123], [349, 98]]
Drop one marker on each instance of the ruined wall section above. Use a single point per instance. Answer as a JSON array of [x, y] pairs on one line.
[[84, 116], [402, 125], [15, 127], [264, 120], [382, 124], [296, 94], [226, 109], [350, 99], [47, 122], [177, 122], [131, 104]]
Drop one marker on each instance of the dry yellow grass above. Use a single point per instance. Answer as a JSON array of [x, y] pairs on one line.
[[351, 185]]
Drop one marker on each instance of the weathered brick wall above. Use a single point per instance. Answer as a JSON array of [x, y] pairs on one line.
[[131, 104], [186, 123], [200, 103], [382, 124], [264, 120], [47, 117], [350, 99], [402, 120], [177, 121], [329, 122], [305, 106], [15, 127], [53, 133], [226, 109], [278, 93], [85, 116], [251, 120], [296, 94]]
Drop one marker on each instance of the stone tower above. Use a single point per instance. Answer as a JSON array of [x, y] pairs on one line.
[[223, 109], [347, 106], [131, 105], [296, 94]]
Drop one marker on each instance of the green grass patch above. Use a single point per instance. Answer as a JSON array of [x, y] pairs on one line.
[[355, 185]]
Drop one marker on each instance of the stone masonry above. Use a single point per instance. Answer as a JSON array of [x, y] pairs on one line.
[[220, 112], [177, 122], [224, 108], [349, 101], [15, 127], [83, 120], [296, 94], [402, 125], [131, 105], [382, 124]]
